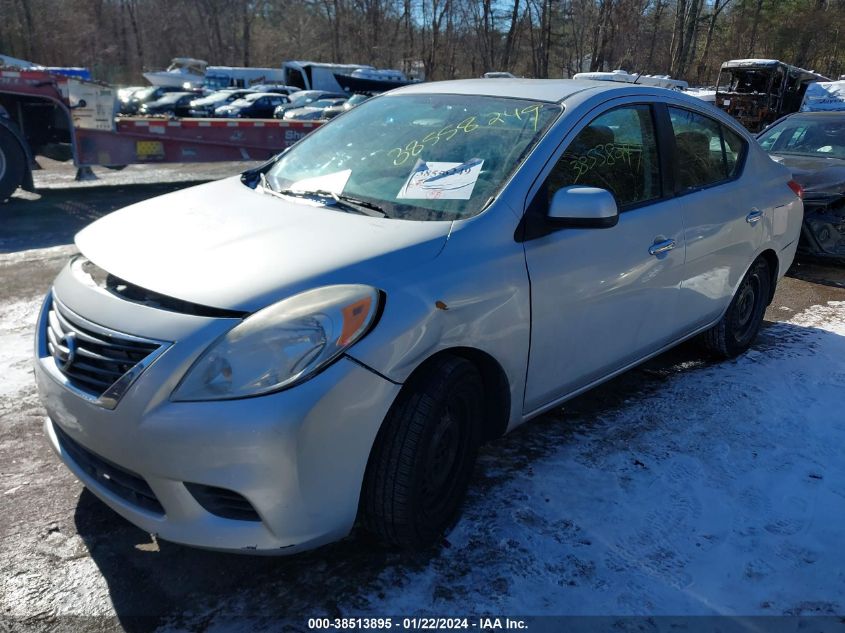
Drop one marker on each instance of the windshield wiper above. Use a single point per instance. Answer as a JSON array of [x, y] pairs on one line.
[[339, 200], [347, 203], [364, 206]]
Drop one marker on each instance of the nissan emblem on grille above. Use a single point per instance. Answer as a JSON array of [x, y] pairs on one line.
[[98, 363], [68, 340]]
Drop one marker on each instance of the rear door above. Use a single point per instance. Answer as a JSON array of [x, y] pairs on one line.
[[723, 223], [604, 298]]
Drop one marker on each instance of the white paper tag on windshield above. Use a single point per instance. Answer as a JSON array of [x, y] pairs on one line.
[[441, 181], [333, 183]]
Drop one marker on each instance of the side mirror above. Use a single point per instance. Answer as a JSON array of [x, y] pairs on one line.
[[583, 207]]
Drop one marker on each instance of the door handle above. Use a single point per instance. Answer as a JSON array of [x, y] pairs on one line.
[[755, 216], [661, 247]]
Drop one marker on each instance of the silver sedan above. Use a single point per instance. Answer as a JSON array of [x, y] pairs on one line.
[[256, 363]]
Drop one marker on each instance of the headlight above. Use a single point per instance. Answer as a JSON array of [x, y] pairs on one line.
[[282, 344]]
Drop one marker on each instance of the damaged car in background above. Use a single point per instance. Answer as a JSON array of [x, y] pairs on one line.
[[812, 145]]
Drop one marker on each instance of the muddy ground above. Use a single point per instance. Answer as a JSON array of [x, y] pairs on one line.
[[525, 545]]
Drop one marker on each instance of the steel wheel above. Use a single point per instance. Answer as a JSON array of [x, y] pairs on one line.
[[423, 457], [740, 324]]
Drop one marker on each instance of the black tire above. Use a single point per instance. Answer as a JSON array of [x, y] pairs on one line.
[[423, 456], [739, 326], [12, 164]]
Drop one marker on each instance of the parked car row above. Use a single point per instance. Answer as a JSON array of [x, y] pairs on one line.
[[256, 102]]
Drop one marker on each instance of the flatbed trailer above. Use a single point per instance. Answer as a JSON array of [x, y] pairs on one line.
[[63, 117]]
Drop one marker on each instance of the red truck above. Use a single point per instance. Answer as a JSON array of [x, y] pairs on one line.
[[67, 118]]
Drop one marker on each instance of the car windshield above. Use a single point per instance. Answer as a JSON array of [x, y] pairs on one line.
[[807, 136], [217, 97], [418, 157], [172, 97], [299, 100]]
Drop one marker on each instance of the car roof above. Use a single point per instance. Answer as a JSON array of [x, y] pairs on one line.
[[827, 114], [820, 116], [174, 96], [255, 95], [551, 90], [316, 92]]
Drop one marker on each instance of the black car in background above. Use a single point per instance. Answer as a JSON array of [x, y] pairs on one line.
[[171, 104], [145, 95], [356, 99], [812, 145], [205, 106], [258, 105]]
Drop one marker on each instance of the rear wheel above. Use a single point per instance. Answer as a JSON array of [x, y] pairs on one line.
[[12, 164], [739, 326], [424, 454]]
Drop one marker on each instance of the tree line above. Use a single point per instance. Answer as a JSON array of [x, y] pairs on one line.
[[687, 39]]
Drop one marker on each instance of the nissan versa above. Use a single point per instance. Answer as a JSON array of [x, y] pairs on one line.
[[258, 363]]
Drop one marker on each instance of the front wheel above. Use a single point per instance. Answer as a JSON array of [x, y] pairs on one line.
[[423, 456], [738, 328]]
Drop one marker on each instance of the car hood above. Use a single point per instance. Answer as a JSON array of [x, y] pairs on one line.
[[817, 174], [225, 245]]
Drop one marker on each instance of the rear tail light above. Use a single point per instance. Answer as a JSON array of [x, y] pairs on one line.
[[797, 189]]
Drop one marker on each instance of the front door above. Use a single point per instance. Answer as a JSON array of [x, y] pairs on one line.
[[604, 298]]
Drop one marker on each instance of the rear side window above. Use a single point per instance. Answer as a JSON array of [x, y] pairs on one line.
[[617, 151], [706, 151]]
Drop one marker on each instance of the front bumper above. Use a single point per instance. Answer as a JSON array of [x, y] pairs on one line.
[[297, 456]]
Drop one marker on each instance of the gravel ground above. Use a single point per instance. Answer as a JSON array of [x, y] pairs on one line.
[[682, 487]]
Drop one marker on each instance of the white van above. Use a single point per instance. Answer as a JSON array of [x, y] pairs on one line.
[[316, 75], [219, 77]]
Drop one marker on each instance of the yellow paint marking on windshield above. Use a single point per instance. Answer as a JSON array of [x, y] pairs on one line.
[[500, 117], [400, 155]]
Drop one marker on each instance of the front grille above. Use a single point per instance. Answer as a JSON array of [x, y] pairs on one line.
[[124, 483], [223, 503], [91, 357]]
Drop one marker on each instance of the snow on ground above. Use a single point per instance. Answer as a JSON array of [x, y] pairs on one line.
[[689, 487], [720, 491], [17, 321]]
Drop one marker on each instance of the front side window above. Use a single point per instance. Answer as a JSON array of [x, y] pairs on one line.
[[701, 156], [617, 151], [419, 157]]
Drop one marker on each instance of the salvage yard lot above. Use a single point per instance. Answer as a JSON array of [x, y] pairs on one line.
[[682, 487]]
